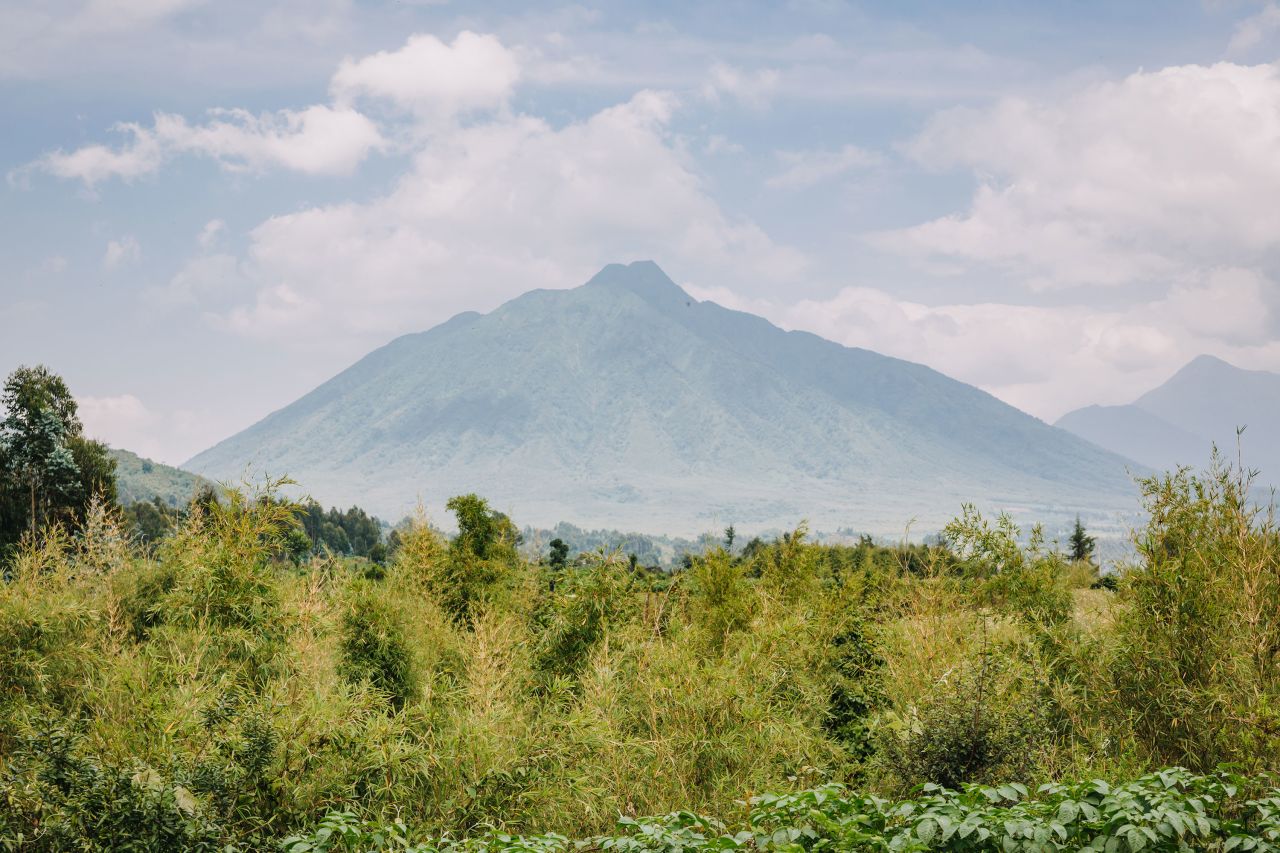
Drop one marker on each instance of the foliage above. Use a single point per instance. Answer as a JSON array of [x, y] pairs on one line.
[[213, 691], [786, 567], [48, 470], [1199, 632], [151, 520], [558, 554], [577, 614], [476, 561], [60, 799], [374, 650], [1171, 810], [856, 688], [483, 533], [1081, 543], [973, 729], [353, 532], [1026, 582], [721, 596]]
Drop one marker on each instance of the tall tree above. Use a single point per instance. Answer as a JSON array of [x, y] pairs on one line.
[[1082, 544], [48, 470], [559, 555], [482, 532]]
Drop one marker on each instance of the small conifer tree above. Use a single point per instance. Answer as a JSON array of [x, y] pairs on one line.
[[1082, 544]]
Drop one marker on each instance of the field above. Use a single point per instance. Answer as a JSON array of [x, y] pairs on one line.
[[219, 690]]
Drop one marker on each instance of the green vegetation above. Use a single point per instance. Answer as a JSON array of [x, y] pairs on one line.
[[353, 532], [144, 480], [228, 684], [1172, 810], [49, 472]]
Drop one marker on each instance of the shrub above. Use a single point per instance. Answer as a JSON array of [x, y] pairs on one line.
[[976, 728], [374, 651], [1171, 810], [856, 689], [140, 597], [61, 799], [1199, 630], [787, 568], [721, 596], [1027, 583], [586, 603]]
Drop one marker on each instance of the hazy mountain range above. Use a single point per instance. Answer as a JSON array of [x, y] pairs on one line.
[[627, 403], [1179, 422]]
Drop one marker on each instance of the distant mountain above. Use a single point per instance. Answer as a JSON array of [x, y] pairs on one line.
[[1179, 422], [1137, 434], [626, 403], [139, 479]]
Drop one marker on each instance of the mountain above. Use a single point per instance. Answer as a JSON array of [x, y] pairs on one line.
[[1179, 422], [626, 403], [1135, 433], [139, 479]]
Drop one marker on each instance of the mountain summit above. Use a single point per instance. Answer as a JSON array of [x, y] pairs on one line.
[[1180, 421], [626, 402]]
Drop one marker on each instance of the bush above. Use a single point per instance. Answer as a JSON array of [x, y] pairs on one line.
[[975, 729], [60, 799], [1199, 630], [586, 603], [373, 649], [721, 596], [1171, 810], [1026, 583], [856, 690]]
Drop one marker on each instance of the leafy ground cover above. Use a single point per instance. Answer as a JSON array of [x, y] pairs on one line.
[[1172, 810]]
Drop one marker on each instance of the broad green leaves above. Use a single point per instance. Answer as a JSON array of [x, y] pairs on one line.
[[1171, 810]]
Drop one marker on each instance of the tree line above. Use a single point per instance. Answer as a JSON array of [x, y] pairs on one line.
[[51, 473]]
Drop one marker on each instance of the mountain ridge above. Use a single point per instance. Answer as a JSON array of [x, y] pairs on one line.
[[625, 402], [142, 479], [1178, 422]]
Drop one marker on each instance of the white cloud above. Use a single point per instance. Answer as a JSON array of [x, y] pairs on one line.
[[1045, 359], [426, 76], [803, 169], [31, 34], [1156, 177], [167, 436], [315, 140], [211, 233], [95, 163], [121, 421], [751, 88], [494, 209], [52, 265], [431, 78], [1254, 30], [119, 252]]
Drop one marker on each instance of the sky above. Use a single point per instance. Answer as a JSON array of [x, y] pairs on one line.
[[210, 208]]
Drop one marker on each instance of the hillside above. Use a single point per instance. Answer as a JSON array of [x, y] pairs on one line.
[[139, 479], [626, 403], [1178, 422]]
